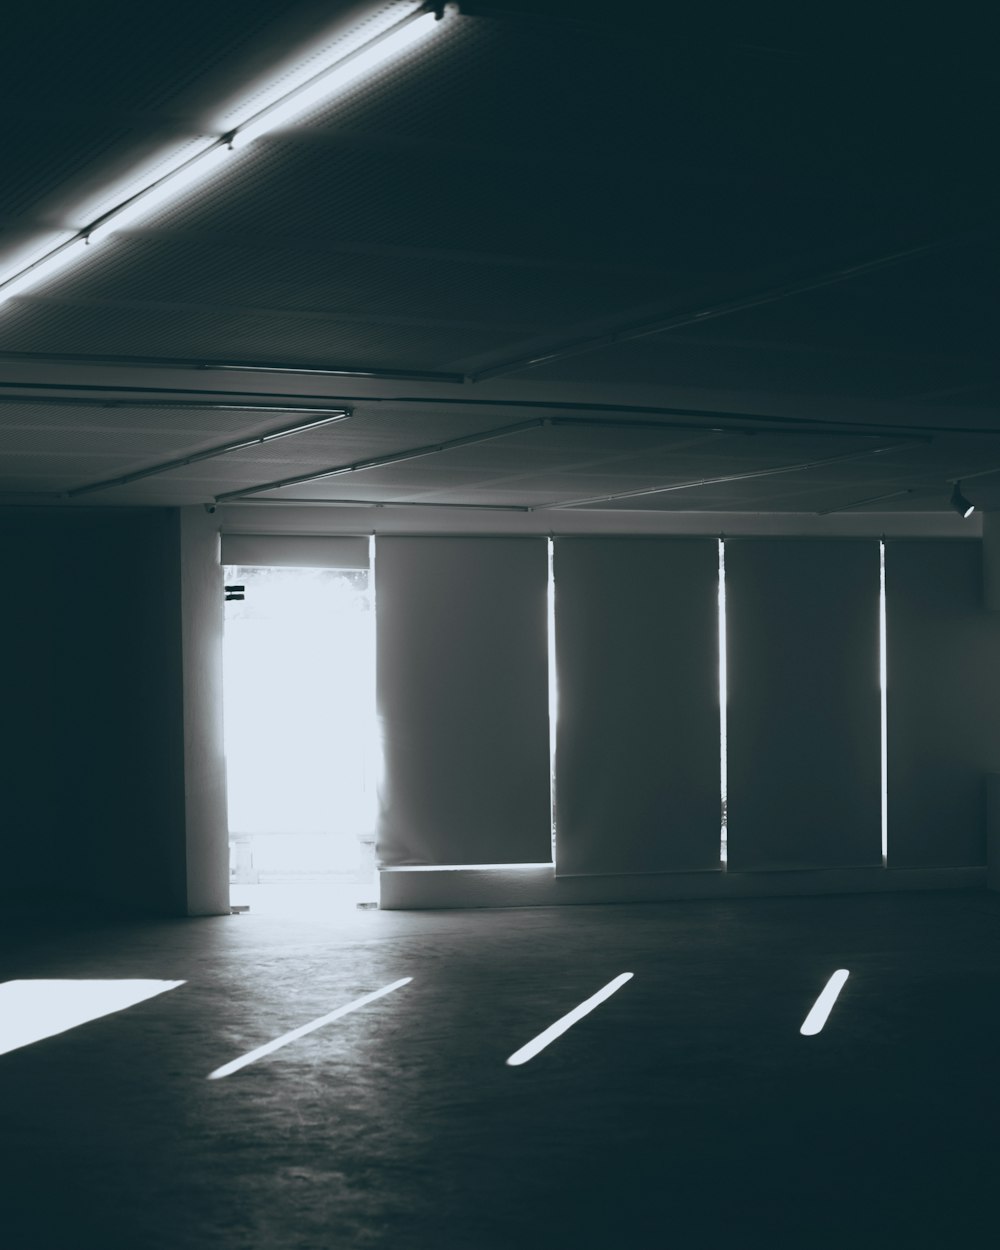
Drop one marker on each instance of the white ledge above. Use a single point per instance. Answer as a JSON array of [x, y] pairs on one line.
[[424, 886]]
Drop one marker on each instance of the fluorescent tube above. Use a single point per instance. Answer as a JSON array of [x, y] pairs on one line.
[[56, 261], [166, 190], [324, 86], [193, 171]]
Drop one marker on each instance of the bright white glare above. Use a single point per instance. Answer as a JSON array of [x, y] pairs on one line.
[[884, 722], [69, 253], [322, 88], [33, 1010], [528, 867], [553, 689], [189, 166], [566, 1022], [823, 1005], [723, 700], [171, 187], [301, 732], [269, 1048]]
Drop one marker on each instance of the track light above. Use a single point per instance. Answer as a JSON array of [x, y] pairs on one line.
[[959, 502]]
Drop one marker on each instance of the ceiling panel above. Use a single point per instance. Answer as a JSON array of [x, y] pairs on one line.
[[541, 178]]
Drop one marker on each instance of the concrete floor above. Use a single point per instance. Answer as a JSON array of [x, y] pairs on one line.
[[687, 1111]]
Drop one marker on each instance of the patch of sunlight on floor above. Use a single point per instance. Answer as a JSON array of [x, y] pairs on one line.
[[33, 1010], [304, 900]]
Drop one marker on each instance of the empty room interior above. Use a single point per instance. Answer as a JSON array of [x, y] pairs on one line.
[[501, 627]]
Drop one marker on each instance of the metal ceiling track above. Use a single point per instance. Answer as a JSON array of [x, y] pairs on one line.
[[174, 405], [725, 308], [209, 453], [733, 477], [375, 503], [467, 440], [430, 449], [230, 366], [377, 462], [860, 503], [763, 423]]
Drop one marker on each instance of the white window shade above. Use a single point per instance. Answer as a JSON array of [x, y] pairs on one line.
[[463, 700], [804, 712], [295, 551], [637, 744], [943, 702]]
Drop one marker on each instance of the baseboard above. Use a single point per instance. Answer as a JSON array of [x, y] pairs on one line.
[[536, 885]]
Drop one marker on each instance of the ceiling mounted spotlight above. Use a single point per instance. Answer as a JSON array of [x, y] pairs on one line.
[[959, 502]]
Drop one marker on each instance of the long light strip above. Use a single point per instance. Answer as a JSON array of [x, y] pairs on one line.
[[566, 1022], [215, 157], [883, 674], [210, 452], [347, 70], [269, 1048], [823, 1005]]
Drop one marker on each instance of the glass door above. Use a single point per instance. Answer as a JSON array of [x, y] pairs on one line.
[[300, 729]]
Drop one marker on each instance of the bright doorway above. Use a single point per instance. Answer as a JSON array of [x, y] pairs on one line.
[[300, 735]]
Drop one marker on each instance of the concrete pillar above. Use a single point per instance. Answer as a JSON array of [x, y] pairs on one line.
[[202, 620], [991, 561]]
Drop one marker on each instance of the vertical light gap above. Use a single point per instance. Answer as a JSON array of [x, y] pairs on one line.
[[882, 676], [553, 687], [723, 699], [378, 755]]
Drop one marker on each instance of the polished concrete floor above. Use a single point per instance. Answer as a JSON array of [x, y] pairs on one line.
[[686, 1111]]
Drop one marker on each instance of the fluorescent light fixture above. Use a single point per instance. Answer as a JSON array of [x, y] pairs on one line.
[[54, 262], [186, 171], [33, 1010], [166, 190], [823, 1005], [269, 1048], [566, 1022], [323, 87]]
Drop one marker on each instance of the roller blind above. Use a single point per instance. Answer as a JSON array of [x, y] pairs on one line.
[[943, 702], [637, 747], [463, 700], [295, 551], [804, 739]]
